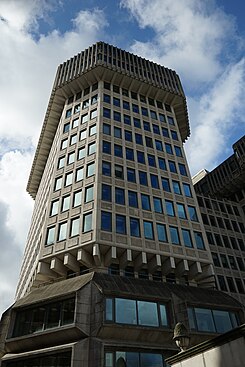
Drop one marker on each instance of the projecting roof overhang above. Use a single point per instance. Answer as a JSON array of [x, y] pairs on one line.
[[63, 90]]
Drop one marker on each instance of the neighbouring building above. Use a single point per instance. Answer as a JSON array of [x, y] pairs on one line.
[[117, 251]]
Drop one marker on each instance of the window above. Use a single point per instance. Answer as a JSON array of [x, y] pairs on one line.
[[161, 232], [165, 185], [181, 211], [137, 122], [116, 101], [65, 203], [106, 168], [144, 111], [146, 125], [106, 147], [89, 194], [126, 105], [216, 259], [157, 202], [143, 178], [134, 227], [68, 179], [92, 130], [120, 224], [77, 108], [174, 135], [192, 213], [186, 237], [151, 160], [106, 129], [117, 116], [172, 167], [162, 163], [106, 221], [91, 148], [129, 154], [187, 190], [87, 222], [153, 115], [118, 171], [168, 148], [131, 177], [165, 132], [128, 135], [147, 313], [118, 151], [79, 174], [107, 85], [176, 187], [127, 119], [71, 158], [62, 231], [161, 117], [174, 234], [93, 114], [54, 208], [138, 139], [145, 202], [156, 129], [61, 162], [148, 230], [57, 183], [81, 153], [178, 151], [158, 144], [50, 236], [75, 123], [83, 134], [140, 157], [135, 108], [90, 169], [64, 144], [182, 169], [94, 99], [148, 142], [85, 104], [106, 98], [170, 120], [117, 132], [66, 127], [119, 196], [132, 199], [75, 223], [106, 192], [84, 118], [199, 240], [154, 181], [68, 113], [77, 198], [106, 113]]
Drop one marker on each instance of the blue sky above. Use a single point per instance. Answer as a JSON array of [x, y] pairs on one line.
[[203, 40]]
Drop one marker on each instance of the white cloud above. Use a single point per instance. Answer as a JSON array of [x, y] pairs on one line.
[[28, 65]]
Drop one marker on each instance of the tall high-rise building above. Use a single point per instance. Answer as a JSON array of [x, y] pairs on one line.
[[117, 252]]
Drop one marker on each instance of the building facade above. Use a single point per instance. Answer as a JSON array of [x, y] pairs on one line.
[[117, 252]]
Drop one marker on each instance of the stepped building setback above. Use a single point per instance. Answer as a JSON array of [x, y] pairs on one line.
[[117, 252]]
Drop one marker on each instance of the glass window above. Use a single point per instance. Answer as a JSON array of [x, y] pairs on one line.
[[134, 227], [116, 101], [64, 144], [165, 185], [73, 139], [187, 190], [161, 232], [68, 179], [106, 192], [153, 115], [106, 221], [66, 127], [165, 132], [120, 224], [126, 105], [75, 227], [169, 208], [50, 235], [137, 122], [158, 144], [151, 160], [81, 153], [168, 148], [162, 163], [106, 98], [138, 139], [130, 154], [132, 199], [84, 118], [106, 168], [204, 320], [147, 313], [172, 167], [135, 108], [68, 113], [149, 142], [83, 134], [65, 203], [148, 230], [161, 117], [174, 135], [106, 147], [146, 125], [92, 130], [140, 157], [176, 187], [119, 196], [144, 111], [182, 169], [118, 152], [192, 213], [199, 240], [91, 148], [62, 231], [87, 222], [85, 104], [77, 199], [178, 151], [186, 237], [157, 202], [154, 181], [89, 194], [54, 208], [71, 158], [174, 234], [117, 116], [143, 178], [90, 169], [127, 119], [181, 211], [79, 174], [118, 171], [106, 129], [125, 311], [61, 162], [128, 135], [156, 129], [131, 177], [145, 201], [222, 321], [117, 132], [106, 113], [170, 120]]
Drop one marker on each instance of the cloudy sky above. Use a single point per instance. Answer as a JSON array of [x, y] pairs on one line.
[[203, 40]]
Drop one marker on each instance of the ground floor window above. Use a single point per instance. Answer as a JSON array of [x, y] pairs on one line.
[[54, 360], [134, 359]]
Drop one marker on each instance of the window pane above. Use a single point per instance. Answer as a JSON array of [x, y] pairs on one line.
[[106, 168], [90, 169], [204, 320], [161, 232], [187, 238], [106, 221], [222, 321], [89, 194], [65, 203], [134, 227], [192, 213], [163, 313], [169, 208], [62, 231], [77, 198], [75, 226], [120, 224], [148, 230], [68, 310], [132, 199], [199, 240], [151, 360], [174, 235], [54, 207], [145, 200], [147, 313], [119, 196], [106, 192], [109, 309], [87, 222], [157, 205], [125, 311], [181, 211], [53, 315]]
